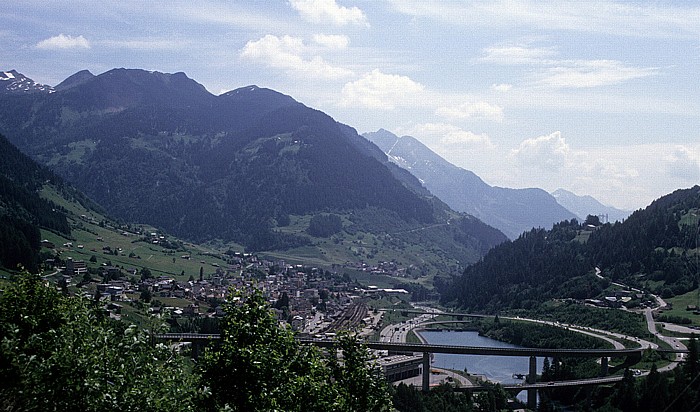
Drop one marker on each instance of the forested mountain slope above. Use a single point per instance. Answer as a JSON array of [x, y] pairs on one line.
[[22, 210], [160, 149], [655, 248]]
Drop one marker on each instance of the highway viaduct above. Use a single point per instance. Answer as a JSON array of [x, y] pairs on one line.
[[427, 349]]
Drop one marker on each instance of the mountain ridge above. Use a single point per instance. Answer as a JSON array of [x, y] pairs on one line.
[[654, 249], [23, 211], [512, 211], [13, 82], [586, 205], [160, 149]]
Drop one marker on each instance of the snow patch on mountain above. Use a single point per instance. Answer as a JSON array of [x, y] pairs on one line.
[[17, 83]]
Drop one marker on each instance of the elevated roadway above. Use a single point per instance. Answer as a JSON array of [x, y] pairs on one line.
[[478, 350], [423, 347]]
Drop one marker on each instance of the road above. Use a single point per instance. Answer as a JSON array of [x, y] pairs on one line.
[[673, 342], [397, 332], [439, 376], [651, 326]]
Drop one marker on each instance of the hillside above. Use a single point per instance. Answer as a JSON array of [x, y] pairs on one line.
[[583, 206], [655, 249], [513, 211], [251, 166], [22, 211]]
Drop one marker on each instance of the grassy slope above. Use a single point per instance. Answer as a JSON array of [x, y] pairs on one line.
[[680, 303], [159, 260], [406, 247]]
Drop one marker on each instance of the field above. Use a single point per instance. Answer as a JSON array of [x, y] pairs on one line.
[[680, 303]]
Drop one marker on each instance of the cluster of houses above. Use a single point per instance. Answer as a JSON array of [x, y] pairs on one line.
[[312, 297], [391, 268], [618, 299]]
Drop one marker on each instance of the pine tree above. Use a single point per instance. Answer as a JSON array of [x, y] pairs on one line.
[[692, 363], [546, 370], [625, 397]]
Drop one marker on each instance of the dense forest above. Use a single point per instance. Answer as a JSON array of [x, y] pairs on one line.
[[22, 210], [655, 248]]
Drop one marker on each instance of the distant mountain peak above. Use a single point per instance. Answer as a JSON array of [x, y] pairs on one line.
[[140, 76], [255, 90], [241, 90], [13, 82], [76, 79], [512, 211], [258, 98], [586, 205]]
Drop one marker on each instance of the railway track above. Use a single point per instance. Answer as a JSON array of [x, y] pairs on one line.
[[351, 318]]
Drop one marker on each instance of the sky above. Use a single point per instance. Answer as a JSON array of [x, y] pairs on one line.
[[600, 98]]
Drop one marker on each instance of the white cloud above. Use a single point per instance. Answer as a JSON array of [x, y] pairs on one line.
[[328, 11], [683, 164], [144, 44], [593, 73], [449, 135], [228, 14], [517, 55], [623, 176], [287, 53], [635, 19], [501, 87], [332, 41], [563, 73], [482, 110], [548, 152], [63, 42], [377, 90]]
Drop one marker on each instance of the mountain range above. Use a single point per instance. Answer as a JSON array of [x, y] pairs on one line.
[[513, 211], [12, 82], [586, 205], [251, 166], [654, 249]]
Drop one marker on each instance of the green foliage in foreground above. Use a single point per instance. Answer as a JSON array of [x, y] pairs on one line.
[[260, 367], [445, 399], [678, 390], [63, 354], [60, 353]]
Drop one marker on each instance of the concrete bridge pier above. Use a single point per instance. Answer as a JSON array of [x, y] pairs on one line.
[[532, 378], [604, 366], [426, 371]]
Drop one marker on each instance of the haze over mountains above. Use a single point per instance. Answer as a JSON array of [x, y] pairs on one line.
[[250, 166], [586, 205], [513, 211]]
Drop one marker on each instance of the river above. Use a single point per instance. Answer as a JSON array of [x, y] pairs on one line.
[[494, 368]]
